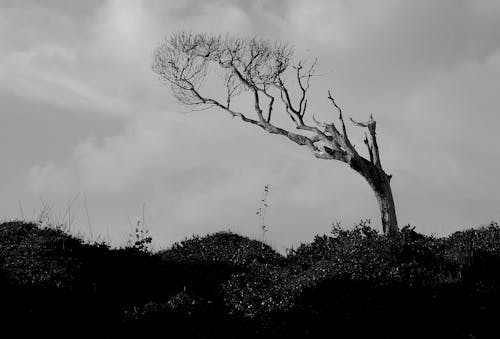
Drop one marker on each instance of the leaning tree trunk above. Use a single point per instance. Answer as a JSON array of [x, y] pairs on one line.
[[380, 183]]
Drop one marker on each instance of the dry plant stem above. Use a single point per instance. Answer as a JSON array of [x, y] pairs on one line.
[[88, 217], [262, 212], [259, 67]]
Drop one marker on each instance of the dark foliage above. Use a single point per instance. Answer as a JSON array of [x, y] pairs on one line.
[[224, 247], [352, 283]]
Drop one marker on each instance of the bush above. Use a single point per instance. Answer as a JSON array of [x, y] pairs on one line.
[[362, 254], [35, 257], [228, 286], [224, 247], [262, 290], [461, 246], [343, 263]]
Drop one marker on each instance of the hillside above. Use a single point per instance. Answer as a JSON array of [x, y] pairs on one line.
[[349, 284]]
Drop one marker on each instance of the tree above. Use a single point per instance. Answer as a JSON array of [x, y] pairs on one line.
[[263, 69]]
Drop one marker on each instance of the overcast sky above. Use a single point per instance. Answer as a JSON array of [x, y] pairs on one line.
[[83, 117]]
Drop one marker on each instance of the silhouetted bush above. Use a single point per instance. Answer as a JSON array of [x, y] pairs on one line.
[[351, 283], [262, 290], [36, 257], [362, 254], [224, 247], [462, 246]]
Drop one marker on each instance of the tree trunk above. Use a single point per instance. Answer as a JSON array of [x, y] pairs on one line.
[[387, 208], [380, 183]]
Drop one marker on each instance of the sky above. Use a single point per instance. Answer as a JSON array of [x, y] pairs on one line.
[[87, 127]]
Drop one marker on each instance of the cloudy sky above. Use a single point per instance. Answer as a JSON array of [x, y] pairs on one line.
[[85, 123]]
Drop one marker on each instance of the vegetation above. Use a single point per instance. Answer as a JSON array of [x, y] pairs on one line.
[[345, 284]]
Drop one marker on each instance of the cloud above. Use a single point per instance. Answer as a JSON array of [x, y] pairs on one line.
[[41, 76], [78, 62], [112, 164], [159, 145], [381, 51], [450, 151]]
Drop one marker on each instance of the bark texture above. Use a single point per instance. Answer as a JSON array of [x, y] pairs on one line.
[[379, 181], [264, 70]]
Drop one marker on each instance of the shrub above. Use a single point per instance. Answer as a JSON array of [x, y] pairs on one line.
[[31, 256], [262, 290], [140, 239], [357, 255], [362, 254], [224, 247], [461, 246], [181, 303], [183, 315], [475, 253], [227, 286]]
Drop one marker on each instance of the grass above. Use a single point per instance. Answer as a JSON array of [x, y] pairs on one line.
[[348, 284]]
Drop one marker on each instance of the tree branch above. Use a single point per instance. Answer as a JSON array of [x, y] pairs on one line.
[[367, 143], [344, 131], [252, 64], [371, 140], [268, 127]]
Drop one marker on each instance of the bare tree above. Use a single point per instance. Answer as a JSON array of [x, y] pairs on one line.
[[264, 69]]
